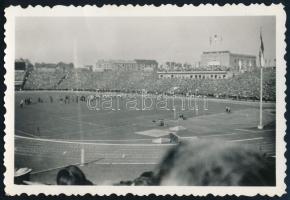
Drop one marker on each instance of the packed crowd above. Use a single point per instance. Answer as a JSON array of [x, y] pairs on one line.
[[19, 75], [244, 86]]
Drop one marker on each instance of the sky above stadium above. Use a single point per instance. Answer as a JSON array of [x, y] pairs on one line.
[[84, 40]]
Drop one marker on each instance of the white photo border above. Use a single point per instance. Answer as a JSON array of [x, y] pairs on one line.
[[163, 11]]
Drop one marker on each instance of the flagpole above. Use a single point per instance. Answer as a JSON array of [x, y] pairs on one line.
[[260, 126], [75, 60], [262, 63]]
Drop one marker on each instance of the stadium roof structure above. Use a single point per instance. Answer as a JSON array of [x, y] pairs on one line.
[[46, 65]]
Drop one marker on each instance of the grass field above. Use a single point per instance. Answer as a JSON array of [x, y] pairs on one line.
[[118, 144]]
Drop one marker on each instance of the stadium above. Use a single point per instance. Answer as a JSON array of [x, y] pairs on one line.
[[54, 128]]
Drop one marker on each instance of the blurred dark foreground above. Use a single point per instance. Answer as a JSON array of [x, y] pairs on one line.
[[196, 163]]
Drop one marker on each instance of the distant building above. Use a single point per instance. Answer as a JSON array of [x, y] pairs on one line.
[[234, 62], [125, 65], [89, 67], [195, 74], [45, 67], [103, 65], [82, 69], [114, 65], [51, 67], [176, 66], [64, 66], [146, 65]]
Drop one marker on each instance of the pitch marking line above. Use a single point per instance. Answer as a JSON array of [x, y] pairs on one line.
[[128, 140], [60, 167], [193, 137], [252, 131], [87, 143], [218, 135], [25, 133], [249, 139], [122, 163]]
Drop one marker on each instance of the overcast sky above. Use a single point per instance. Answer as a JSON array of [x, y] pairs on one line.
[[51, 39]]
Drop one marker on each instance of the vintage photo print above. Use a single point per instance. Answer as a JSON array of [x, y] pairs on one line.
[[163, 100]]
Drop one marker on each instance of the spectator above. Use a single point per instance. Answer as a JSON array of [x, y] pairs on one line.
[[22, 175], [72, 175], [145, 179], [21, 103], [215, 163]]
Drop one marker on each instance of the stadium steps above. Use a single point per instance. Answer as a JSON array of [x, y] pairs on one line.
[[25, 78], [61, 80]]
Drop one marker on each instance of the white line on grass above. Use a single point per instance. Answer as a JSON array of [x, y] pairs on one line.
[[249, 139], [193, 137], [246, 130], [254, 131], [63, 166], [88, 143], [128, 140], [218, 135], [122, 163], [25, 133]]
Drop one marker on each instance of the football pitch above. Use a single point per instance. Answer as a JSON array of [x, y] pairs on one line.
[[120, 144]]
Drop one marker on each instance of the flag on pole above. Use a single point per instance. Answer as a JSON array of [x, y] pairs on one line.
[[217, 38], [261, 52]]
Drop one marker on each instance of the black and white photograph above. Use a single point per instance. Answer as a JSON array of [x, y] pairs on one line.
[[147, 100]]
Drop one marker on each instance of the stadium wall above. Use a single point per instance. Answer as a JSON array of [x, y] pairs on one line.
[[195, 74]]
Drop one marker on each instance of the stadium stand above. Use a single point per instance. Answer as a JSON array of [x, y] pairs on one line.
[[241, 87], [23, 68], [19, 77]]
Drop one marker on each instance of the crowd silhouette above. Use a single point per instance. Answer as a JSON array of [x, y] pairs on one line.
[[240, 87]]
